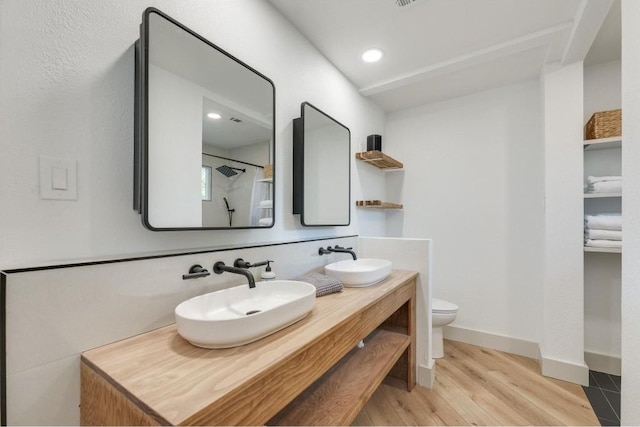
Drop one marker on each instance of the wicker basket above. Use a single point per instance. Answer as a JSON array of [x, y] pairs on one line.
[[604, 124], [268, 171]]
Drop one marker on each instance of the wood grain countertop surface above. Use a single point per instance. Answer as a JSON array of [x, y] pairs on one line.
[[163, 372]]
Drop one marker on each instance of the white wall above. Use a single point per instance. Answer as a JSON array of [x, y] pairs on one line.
[[631, 204], [562, 340], [67, 84], [473, 182], [602, 88]]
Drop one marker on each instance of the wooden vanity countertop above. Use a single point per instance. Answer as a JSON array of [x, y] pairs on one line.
[[167, 376]]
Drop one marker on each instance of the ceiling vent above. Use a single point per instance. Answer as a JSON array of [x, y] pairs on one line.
[[234, 119], [403, 3]]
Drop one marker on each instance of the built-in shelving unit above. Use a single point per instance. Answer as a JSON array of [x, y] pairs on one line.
[[595, 149], [379, 160], [266, 211]]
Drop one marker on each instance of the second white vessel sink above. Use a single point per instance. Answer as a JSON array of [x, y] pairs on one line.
[[240, 315], [359, 272]]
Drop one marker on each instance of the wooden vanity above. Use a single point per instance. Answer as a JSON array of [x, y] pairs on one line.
[[310, 373]]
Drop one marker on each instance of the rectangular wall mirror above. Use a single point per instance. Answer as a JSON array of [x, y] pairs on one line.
[[321, 169], [205, 141]]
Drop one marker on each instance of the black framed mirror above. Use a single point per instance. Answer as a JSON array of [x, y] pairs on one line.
[[321, 169], [205, 133]]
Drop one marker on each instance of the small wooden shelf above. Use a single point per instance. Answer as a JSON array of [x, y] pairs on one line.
[[377, 204], [602, 143], [605, 250], [601, 195], [379, 160], [337, 397]]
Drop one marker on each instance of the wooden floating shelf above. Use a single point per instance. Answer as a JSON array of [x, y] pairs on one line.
[[379, 160], [336, 398], [605, 250], [377, 204]]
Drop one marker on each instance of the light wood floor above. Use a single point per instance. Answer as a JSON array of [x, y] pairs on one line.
[[479, 386]]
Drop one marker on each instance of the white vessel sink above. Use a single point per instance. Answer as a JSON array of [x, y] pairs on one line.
[[360, 272], [240, 315]]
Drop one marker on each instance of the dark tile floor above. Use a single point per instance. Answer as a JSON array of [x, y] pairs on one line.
[[604, 395]]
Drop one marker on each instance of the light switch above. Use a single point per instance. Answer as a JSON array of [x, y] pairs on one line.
[[58, 179]]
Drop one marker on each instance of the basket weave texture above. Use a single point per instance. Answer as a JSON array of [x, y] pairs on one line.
[[604, 124], [268, 171]]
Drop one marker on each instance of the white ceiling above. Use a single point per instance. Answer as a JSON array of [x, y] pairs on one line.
[[438, 49]]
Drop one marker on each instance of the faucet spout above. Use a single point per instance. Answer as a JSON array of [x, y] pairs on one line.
[[340, 249], [220, 267]]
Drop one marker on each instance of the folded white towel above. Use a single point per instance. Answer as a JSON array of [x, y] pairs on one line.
[[267, 204], [603, 221], [265, 221], [595, 234], [604, 243], [606, 187], [594, 179]]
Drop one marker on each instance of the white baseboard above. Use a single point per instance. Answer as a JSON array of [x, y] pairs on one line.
[[603, 363], [494, 341], [562, 370], [427, 374], [566, 371]]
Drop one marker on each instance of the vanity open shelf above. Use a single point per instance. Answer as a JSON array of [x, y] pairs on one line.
[[377, 204], [379, 160], [339, 395], [310, 373]]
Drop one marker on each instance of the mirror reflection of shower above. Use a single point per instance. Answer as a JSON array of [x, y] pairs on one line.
[[229, 210], [238, 177], [228, 171]]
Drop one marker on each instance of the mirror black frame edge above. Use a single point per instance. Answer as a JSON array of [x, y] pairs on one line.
[[298, 166], [141, 123]]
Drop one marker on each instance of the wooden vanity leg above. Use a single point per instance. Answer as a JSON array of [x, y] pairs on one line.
[[404, 321], [411, 351]]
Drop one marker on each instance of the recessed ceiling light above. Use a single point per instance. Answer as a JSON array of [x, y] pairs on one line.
[[214, 116], [372, 55]]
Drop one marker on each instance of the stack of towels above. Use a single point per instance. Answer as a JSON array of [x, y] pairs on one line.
[[603, 230], [604, 184]]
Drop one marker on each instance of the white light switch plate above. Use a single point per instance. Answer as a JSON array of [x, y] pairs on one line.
[[58, 179]]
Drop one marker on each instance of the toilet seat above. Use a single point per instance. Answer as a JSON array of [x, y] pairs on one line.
[[442, 306]]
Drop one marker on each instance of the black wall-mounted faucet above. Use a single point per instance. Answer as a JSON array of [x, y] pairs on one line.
[[336, 248], [220, 267]]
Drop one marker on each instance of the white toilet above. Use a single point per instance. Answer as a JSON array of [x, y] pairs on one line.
[[442, 313]]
